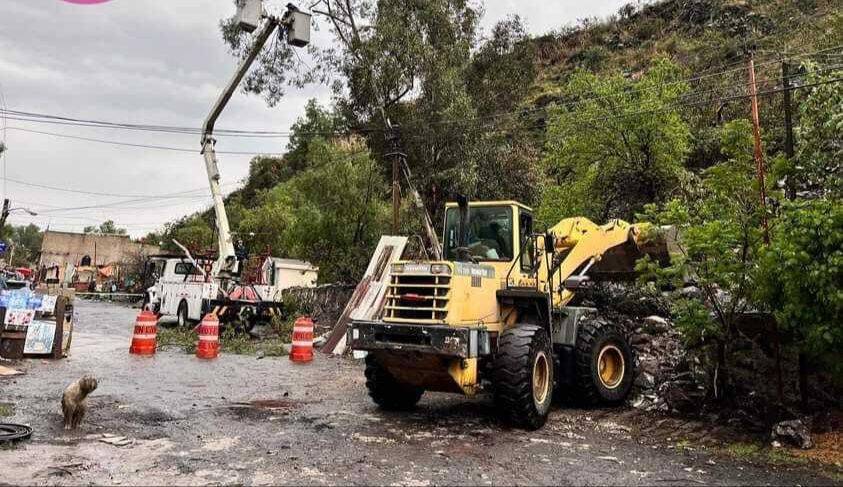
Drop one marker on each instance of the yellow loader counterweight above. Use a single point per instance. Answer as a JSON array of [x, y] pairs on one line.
[[496, 314]]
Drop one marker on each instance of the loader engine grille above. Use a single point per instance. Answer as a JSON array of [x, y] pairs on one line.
[[417, 297]]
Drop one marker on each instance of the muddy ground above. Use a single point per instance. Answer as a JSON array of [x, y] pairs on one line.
[[173, 419]]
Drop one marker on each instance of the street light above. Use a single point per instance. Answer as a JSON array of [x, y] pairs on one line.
[[25, 210]]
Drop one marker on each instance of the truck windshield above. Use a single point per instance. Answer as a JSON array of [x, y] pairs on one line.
[[489, 232]]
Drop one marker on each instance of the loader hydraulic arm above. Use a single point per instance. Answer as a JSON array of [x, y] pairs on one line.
[[579, 243]]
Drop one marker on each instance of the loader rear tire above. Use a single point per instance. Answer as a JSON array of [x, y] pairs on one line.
[[523, 376], [386, 390], [604, 363]]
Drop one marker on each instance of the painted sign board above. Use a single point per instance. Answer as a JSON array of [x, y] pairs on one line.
[[39, 337]]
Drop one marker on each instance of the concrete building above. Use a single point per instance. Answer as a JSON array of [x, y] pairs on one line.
[[85, 257]]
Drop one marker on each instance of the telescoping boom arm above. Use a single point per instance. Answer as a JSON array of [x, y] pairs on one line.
[[297, 26]]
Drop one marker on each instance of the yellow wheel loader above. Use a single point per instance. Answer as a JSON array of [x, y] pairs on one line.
[[498, 314]]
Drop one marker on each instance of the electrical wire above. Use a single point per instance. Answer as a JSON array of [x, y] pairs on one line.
[[120, 195], [142, 146]]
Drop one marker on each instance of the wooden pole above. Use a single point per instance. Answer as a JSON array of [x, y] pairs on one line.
[[759, 169], [759, 155]]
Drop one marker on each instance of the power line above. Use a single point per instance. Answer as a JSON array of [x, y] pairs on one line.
[[180, 194], [142, 146]]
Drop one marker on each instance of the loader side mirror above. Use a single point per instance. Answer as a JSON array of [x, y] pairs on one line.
[[577, 283]]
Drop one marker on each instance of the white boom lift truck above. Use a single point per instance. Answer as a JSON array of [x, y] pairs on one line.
[[188, 287]]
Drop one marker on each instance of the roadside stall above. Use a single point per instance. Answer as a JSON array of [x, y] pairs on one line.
[[35, 323]]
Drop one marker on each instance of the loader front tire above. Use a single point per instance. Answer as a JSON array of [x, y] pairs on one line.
[[604, 363], [523, 376], [387, 392]]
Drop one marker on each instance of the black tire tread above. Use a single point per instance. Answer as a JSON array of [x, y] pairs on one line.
[[513, 375], [590, 330]]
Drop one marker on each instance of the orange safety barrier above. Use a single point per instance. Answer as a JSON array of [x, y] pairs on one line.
[[302, 349], [145, 337], [209, 337]]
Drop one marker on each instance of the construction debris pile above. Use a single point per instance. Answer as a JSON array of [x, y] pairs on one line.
[[668, 378], [665, 379]]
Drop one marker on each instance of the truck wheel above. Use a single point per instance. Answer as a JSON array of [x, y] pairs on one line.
[[184, 320], [386, 390], [523, 375], [604, 363]]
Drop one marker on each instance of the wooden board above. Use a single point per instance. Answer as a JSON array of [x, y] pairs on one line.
[[367, 301], [8, 371]]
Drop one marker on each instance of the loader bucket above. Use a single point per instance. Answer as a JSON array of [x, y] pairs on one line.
[[618, 263]]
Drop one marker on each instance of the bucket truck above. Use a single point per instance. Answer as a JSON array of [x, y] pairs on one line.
[[189, 287]]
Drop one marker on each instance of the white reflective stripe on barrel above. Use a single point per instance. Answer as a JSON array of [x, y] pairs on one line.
[[209, 338], [302, 344], [144, 337]]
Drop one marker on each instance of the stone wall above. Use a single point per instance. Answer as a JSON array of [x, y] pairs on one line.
[[324, 304]]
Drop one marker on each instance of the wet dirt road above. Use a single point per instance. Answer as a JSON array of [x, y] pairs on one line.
[[241, 420]]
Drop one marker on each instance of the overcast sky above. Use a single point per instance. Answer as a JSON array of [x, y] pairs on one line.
[[147, 62]]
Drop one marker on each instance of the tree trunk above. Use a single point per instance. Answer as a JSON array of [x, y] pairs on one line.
[[803, 379], [721, 373]]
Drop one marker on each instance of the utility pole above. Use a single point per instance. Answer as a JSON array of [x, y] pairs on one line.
[[4, 215], [788, 126], [393, 137], [759, 156], [759, 169]]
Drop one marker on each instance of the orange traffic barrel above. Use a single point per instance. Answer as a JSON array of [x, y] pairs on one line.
[[209, 337], [145, 337], [302, 349]]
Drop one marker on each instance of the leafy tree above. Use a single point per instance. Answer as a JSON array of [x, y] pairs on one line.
[[617, 145], [331, 214], [381, 55], [799, 278], [26, 241], [720, 228], [818, 169], [503, 68], [194, 232], [107, 227], [265, 172]]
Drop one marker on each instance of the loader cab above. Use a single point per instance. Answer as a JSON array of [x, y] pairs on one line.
[[496, 231]]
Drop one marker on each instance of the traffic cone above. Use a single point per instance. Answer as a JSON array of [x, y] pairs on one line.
[[145, 337], [209, 337], [302, 349]]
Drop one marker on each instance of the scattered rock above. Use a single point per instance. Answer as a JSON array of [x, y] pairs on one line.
[[260, 354], [657, 323], [611, 459], [116, 440], [795, 432]]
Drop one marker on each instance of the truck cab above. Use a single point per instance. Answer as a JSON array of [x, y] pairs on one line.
[[179, 288]]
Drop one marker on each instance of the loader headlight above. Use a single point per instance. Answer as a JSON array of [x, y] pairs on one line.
[[440, 269]]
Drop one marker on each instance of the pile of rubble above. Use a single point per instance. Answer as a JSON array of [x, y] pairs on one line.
[[667, 376], [665, 379]]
